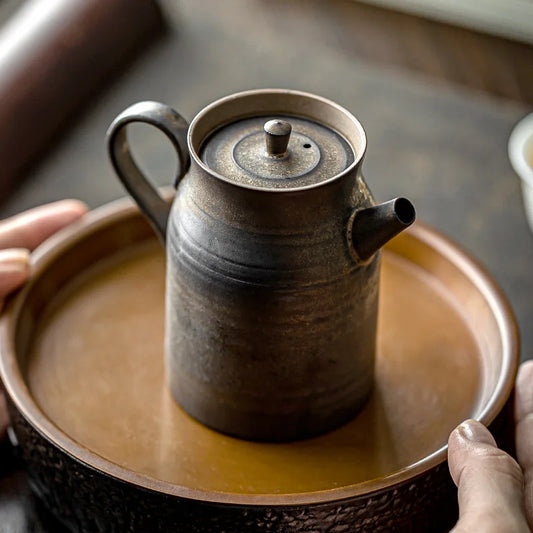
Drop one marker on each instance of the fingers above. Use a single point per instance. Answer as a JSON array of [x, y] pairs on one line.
[[14, 269], [25, 232], [489, 482], [524, 431], [19, 235], [32, 227]]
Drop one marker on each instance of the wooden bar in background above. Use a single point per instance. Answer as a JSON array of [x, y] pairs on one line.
[[54, 56]]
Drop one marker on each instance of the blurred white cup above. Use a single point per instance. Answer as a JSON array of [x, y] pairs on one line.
[[520, 150]]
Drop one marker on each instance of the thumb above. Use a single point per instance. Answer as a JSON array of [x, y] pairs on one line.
[[490, 482]]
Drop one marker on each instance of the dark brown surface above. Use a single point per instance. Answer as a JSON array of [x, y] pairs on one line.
[[443, 146], [384, 37]]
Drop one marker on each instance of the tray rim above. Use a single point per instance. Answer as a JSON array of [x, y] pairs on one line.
[[15, 385]]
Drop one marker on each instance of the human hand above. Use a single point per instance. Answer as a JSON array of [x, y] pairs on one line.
[[495, 492], [18, 236]]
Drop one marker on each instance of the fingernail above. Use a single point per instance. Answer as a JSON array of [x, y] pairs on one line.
[[14, 260], [474, 431]]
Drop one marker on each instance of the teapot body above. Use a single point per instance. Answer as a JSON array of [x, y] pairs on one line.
[[270, 323], [272, 260]]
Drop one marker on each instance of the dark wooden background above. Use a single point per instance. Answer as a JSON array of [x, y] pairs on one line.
[[438, 104]]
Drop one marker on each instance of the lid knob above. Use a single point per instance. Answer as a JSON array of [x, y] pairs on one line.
[[277, 135]]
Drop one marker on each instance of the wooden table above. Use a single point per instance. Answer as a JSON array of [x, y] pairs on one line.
[[442, 146]]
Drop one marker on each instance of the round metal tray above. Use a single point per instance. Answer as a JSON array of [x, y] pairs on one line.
[[108, 449]]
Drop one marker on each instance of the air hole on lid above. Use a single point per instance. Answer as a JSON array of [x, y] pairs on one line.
[[307, 145]]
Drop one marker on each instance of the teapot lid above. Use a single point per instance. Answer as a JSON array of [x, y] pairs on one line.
[[277, 152]]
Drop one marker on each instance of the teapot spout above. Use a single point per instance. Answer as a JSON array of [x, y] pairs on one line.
[[375, 226]]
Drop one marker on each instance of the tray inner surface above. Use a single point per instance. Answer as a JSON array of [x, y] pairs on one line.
[[96, 370]]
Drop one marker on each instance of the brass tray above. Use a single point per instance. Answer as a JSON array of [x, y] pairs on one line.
[[82, 363]]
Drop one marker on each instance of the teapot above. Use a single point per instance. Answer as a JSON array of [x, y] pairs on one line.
[[273, 248]]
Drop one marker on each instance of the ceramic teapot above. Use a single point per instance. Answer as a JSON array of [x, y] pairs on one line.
[[272, 245]]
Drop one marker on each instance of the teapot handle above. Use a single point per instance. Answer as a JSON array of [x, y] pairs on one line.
[[175, 127]]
